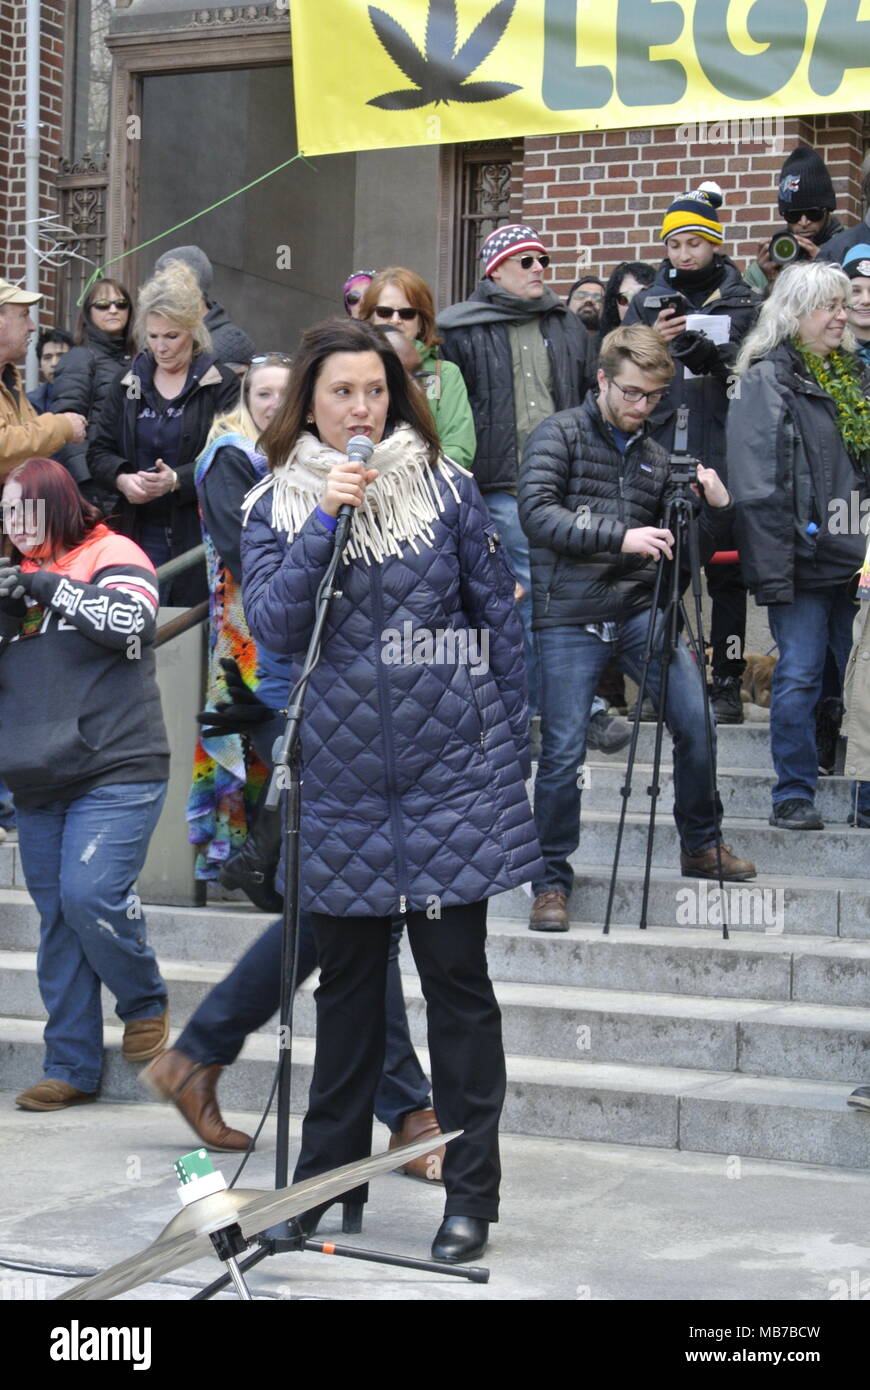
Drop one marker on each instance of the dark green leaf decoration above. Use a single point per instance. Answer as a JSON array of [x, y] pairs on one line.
[[440, 75]]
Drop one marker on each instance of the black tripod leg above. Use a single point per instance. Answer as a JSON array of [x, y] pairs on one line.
[[697, 646], [625, 791]]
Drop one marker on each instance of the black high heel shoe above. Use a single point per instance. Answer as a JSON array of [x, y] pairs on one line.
[[305, 1224], [459, 1239]]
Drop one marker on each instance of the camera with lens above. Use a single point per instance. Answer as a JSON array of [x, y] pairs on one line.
[[785, 249]]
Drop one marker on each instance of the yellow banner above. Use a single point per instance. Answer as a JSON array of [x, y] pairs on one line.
[[418, 72]]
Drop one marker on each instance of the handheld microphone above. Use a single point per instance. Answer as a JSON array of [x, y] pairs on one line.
[[359, 450]]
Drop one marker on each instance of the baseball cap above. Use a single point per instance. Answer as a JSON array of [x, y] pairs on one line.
[[14, 294]]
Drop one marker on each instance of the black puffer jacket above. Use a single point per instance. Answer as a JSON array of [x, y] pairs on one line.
[[836, 247], [578, 495], [706, 395], [482, 352], [789, 470], [83, 376], [113, 451]]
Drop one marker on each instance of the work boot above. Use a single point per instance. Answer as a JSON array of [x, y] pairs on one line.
[[726, 701], [191, 1087], [549, 911], [144, 1038], [253, 867], [704, 864], [51, 1094]]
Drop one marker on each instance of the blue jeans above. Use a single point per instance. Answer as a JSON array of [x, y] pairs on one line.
[[503, 510], [155, 538], [571, 661], [80, 860], [803, 631]]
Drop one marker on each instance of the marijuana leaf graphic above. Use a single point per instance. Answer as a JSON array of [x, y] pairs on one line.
[[440, 74]]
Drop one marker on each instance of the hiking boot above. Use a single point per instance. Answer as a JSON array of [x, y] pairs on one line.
[[606, 733], [796, 814], [726, 701], [549, 911], [704, 864], [144, 1038]]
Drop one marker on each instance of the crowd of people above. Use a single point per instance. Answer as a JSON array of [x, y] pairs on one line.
[[515, 497]]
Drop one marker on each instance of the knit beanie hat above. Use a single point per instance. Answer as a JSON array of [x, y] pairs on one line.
[[514, 240], [695, 213], [804, 182], [857, 261], [195, 259]]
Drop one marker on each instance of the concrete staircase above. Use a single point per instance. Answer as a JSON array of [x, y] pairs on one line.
[[670, 1037]]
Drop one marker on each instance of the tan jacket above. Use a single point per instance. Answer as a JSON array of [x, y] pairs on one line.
[[23, 433], [856, 693]]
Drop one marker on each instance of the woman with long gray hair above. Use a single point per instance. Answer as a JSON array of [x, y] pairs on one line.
[[798, 461], [155, 422]]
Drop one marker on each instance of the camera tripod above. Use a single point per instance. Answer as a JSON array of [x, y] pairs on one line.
[[680, 518]]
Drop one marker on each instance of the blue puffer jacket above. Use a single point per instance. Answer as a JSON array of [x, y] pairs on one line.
[[413, 783]]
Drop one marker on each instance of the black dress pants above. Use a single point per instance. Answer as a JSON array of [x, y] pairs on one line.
[[465, 1047]]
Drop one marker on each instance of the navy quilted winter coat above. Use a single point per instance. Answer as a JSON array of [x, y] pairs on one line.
[[413, 773]]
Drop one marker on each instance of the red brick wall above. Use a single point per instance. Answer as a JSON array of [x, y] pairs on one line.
[[598, 197], [12, 82]]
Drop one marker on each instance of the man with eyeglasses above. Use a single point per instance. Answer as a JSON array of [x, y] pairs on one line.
[[23, 433], [591, 496], [522, 356], [586, 300]]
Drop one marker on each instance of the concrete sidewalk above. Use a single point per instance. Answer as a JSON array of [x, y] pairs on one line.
[[87, 1187]]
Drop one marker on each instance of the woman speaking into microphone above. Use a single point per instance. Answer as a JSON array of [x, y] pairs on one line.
[[414, 746]]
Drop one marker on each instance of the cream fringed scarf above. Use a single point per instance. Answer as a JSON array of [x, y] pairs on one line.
[[399, 506]]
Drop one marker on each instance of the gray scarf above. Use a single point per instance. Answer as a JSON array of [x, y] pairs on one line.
[[489, 304]]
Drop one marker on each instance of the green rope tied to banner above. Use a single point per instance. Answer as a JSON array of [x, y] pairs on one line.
[[100, 270]]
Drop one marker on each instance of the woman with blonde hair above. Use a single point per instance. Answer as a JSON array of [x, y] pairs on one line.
[[155, 422], [400, 297]]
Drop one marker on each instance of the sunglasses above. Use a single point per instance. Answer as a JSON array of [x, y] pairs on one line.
[[265, 356], [353, 296], [623, 299], [104, 304], [384, 311], [811, 214], [528, 261]]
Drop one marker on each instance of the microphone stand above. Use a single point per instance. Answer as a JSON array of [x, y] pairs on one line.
[[286, 777]]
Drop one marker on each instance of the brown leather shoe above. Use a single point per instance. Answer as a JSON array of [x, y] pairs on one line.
[[145, 1037], [191, 1088], [420, 1124], [549, 911], [703, 865], [51, 1094]]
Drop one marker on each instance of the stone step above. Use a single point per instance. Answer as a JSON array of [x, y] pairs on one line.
[[836, 854], [744, 792], [737, 745], [753, 1117], [760, 1036]]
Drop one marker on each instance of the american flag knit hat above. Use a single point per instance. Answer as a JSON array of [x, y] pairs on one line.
[[513, 240]]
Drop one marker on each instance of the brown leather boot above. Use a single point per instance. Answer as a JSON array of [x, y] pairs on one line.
[[191, 1087], [420, 1124], [145, 1037], [549, 911], [51, 1094], [703, 864]]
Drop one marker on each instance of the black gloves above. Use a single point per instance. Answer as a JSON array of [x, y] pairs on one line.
[[240, 713]]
